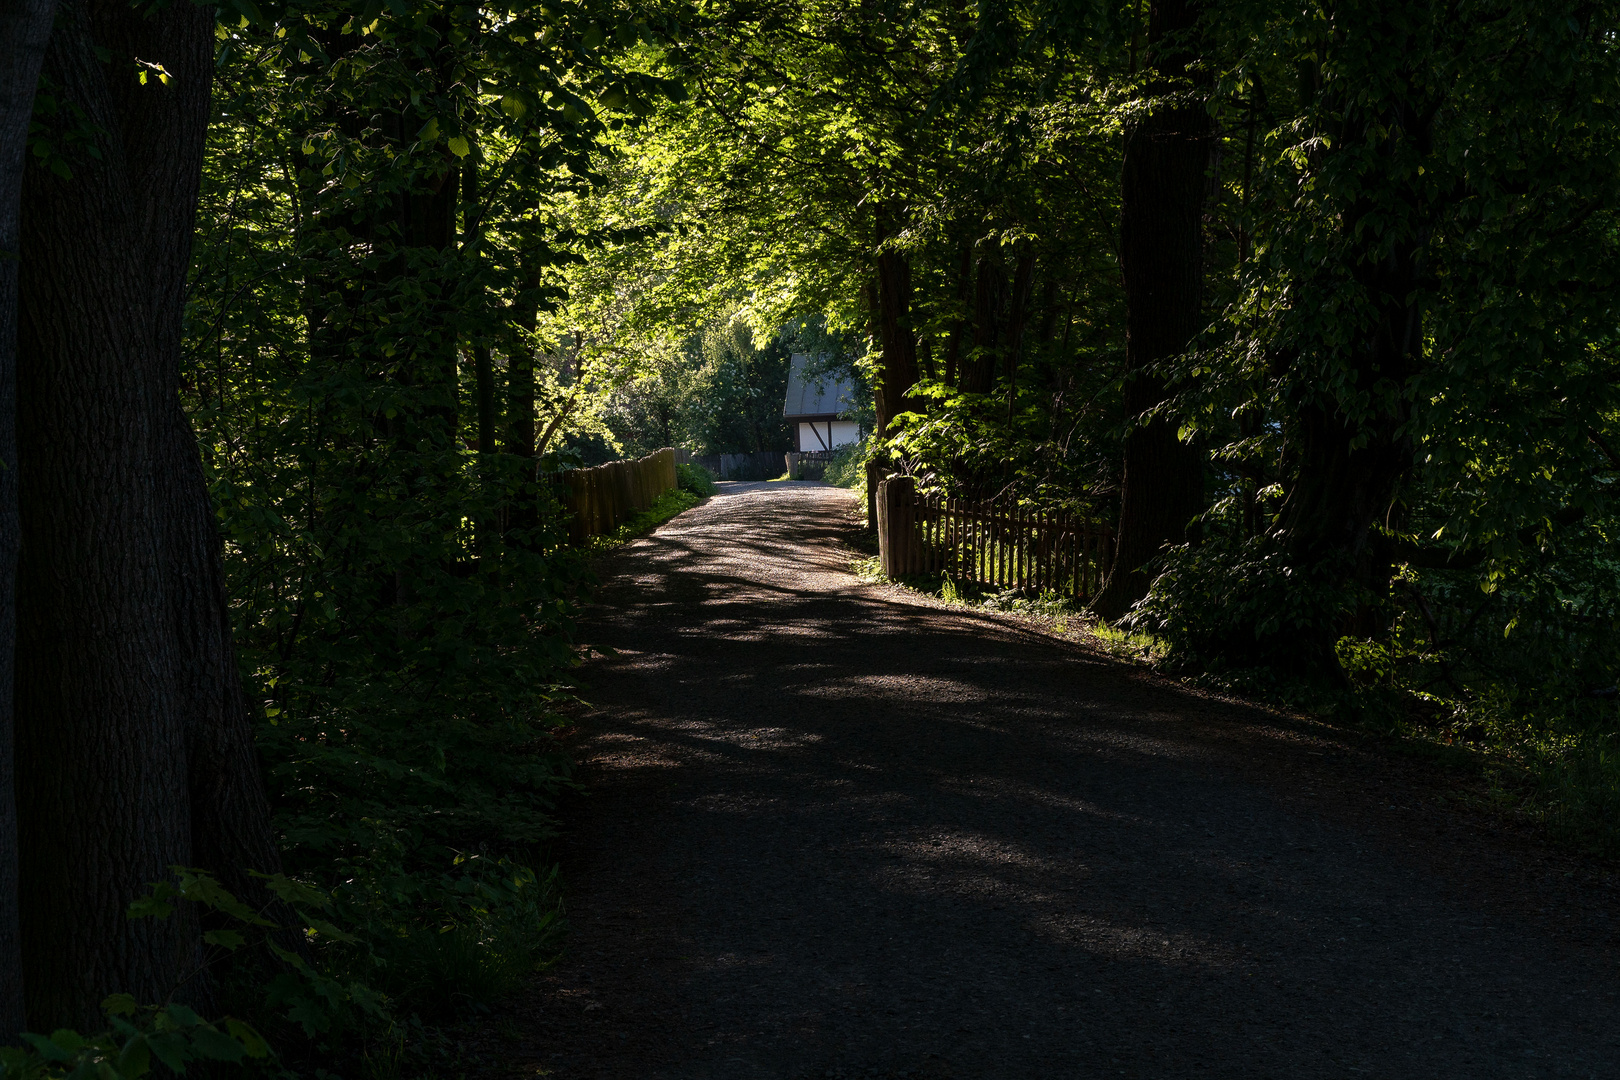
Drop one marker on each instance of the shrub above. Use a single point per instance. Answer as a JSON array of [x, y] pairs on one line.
[[1230, 603], [694, 478], [847, 469]]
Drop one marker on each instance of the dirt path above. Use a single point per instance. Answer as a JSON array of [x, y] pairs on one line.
[[831, 831]]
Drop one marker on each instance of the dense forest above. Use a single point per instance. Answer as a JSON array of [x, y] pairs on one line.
[[304, 305]]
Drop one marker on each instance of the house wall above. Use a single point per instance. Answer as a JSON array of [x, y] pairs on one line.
[[813, 436]]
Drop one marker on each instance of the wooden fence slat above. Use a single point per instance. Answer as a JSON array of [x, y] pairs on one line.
[[1041, 562], [1002, 544]]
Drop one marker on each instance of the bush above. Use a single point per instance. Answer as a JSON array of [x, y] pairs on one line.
[[694, 478], [847, 469], [1236, 604]]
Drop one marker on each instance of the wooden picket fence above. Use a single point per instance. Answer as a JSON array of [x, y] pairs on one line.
[[599, 500], [1000, 544]]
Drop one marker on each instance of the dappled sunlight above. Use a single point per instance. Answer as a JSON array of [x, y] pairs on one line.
[[877, 798]]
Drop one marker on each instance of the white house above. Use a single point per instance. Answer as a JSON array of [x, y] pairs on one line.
[[813, 406]]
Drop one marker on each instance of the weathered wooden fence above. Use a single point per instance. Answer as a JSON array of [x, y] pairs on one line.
[[765, 465], [601, 499], [808, 464], [997, 544]]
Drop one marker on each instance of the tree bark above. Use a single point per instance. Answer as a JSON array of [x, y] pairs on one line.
[[134, 746], [1350, 466], [1161, 251], [1017, 317], [483, 363], [989, 299], [895, 336], [25, 26], [959, 323], [520, 429]]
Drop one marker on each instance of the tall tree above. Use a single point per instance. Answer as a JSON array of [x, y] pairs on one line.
[[134, 749], [25, 27], [1167, 156]]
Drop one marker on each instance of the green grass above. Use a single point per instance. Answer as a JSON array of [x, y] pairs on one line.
[[670, 504], [1050, 606]]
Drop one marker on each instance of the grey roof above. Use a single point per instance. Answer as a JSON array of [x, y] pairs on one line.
[[822, 395]]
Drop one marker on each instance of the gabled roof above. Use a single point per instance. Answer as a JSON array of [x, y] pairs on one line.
[[821, 395]]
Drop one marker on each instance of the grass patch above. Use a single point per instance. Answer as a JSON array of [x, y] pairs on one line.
[[670, 504], [1132, 646], [694, 478], [1050, 607]]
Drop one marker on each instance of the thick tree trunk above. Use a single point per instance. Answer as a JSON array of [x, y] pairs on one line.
[[1161, 249], [989, 302], [895, 336], [25, 26], [134, 745], [1349, 467]]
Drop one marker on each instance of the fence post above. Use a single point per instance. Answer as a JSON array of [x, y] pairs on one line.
[[579, 507], [896, 543], [599, 506], [623, 481], [874, 476]]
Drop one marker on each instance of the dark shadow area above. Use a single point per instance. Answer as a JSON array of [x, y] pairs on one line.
[[833, 833]]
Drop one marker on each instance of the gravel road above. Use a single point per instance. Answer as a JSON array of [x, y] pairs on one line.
[[832, 829]]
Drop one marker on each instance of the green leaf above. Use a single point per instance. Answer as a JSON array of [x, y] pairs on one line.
[[181, 1015], [292, 891], [217, 1046], [251, 12], [48, 1049], [119, 1005], [200, 886], [252, 1042], [326, 929], [136, 1057], [430, 131], [310, 1016], [170, 1049], [458, 145], [228, 939], [154, 905]]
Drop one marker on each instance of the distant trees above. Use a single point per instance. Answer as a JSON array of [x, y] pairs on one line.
[[721, 392]]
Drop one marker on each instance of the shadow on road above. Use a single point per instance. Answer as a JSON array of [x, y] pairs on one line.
[[832, 833]]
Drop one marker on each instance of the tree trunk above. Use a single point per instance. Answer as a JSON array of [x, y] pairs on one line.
[[895, 337], [134, 747], [24, 29], [959, 322], [1161, 249], [1022, 278], [520, 437], [989, 298], [1348, 469], [483, 363]]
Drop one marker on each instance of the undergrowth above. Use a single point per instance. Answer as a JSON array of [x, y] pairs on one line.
[[670, 504], [1552, 760], [1508, 674], [1053, 608]]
